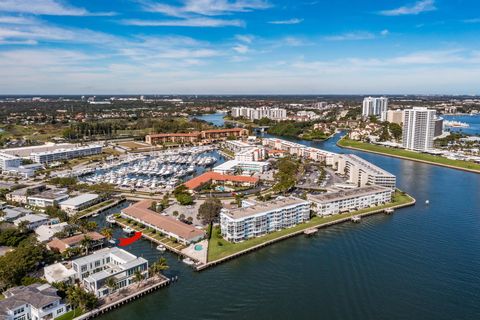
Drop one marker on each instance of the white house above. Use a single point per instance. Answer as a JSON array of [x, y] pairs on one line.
[[93, 270], [33, 302]]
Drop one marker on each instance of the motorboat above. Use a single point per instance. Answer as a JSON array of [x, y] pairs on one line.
[[128, 230], [161, 248], [188, 261]]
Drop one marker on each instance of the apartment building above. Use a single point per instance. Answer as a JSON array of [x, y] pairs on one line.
[[118, 264], [362, 172], [277, 114], [418, 128], [255, 219], [375, 107], [65, 154], [182, 232], [80, 202], [47, 198], [8, 161], [205, 136], [350, 200]]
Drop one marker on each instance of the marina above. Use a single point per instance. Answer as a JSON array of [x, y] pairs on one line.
[[153, 171]]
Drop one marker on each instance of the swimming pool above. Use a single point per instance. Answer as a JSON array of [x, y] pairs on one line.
[[198, 247]]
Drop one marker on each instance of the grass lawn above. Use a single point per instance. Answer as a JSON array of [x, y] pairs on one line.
[[219, 248], [409, 154], [157, 236], [70, 315]]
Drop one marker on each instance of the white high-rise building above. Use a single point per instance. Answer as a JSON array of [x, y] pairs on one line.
[[375, 107], [418, 128], [259, 113]]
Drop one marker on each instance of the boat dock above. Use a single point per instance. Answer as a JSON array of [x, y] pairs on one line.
[[290, 235], [150, 286], [310, 232], [355, 219]]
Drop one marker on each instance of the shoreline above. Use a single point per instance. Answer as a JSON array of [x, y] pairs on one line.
[[318, 225], [408, 158]]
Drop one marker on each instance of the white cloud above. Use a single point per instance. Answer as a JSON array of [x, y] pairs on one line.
[[45, 7], [241, 48], [206, 7], [384, 32], [198, 13], [359, 35], [413, 9], [189, 22], [289, 21], [244, 38]]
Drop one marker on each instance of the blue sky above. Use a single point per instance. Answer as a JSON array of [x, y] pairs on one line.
[[239, 46]]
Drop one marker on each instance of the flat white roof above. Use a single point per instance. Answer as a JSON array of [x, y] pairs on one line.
[[233, 163], [79, 200]]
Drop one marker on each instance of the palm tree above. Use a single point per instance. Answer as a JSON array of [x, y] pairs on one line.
[[107, 233], [86, 243], [159, 266], [138, 277], [111, 284]]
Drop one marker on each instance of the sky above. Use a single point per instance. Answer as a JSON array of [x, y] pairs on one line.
[[239, 47]]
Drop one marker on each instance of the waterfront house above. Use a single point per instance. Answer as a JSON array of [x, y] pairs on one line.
[[33, 302], [61, 245], [118, 264]]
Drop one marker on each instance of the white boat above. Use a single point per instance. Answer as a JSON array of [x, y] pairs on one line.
[[128, 230], [161, 248], [111, 241], [110, 219], [427, 201], [188, 261]]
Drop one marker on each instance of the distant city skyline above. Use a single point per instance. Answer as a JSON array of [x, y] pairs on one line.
[[239, 47]]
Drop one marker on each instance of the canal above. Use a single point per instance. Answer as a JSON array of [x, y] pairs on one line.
[[422, 262]]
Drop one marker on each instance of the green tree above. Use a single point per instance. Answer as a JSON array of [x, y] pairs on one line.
[[107, 233], [209, 212], [159, 266], [111, 284]]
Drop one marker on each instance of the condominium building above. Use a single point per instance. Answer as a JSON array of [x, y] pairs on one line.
[[349, 200], [242, 167], [301, 150], [278, 114], [362, 172], [205, 136], [118, 264], [375, 107], [418, 129], [171, 227], [47, 198], [34, 302], [65, 154], [255, 219], [395, 116], [8, 161]]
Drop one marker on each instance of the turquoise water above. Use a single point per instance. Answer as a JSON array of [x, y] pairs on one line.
[[198, 247], [422, 262]]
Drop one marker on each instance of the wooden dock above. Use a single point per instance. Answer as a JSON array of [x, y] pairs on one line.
[[160, 283]]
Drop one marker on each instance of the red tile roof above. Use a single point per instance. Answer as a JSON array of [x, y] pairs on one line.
[[141, 211], [209, 176], [63, 244], [188, 134]]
